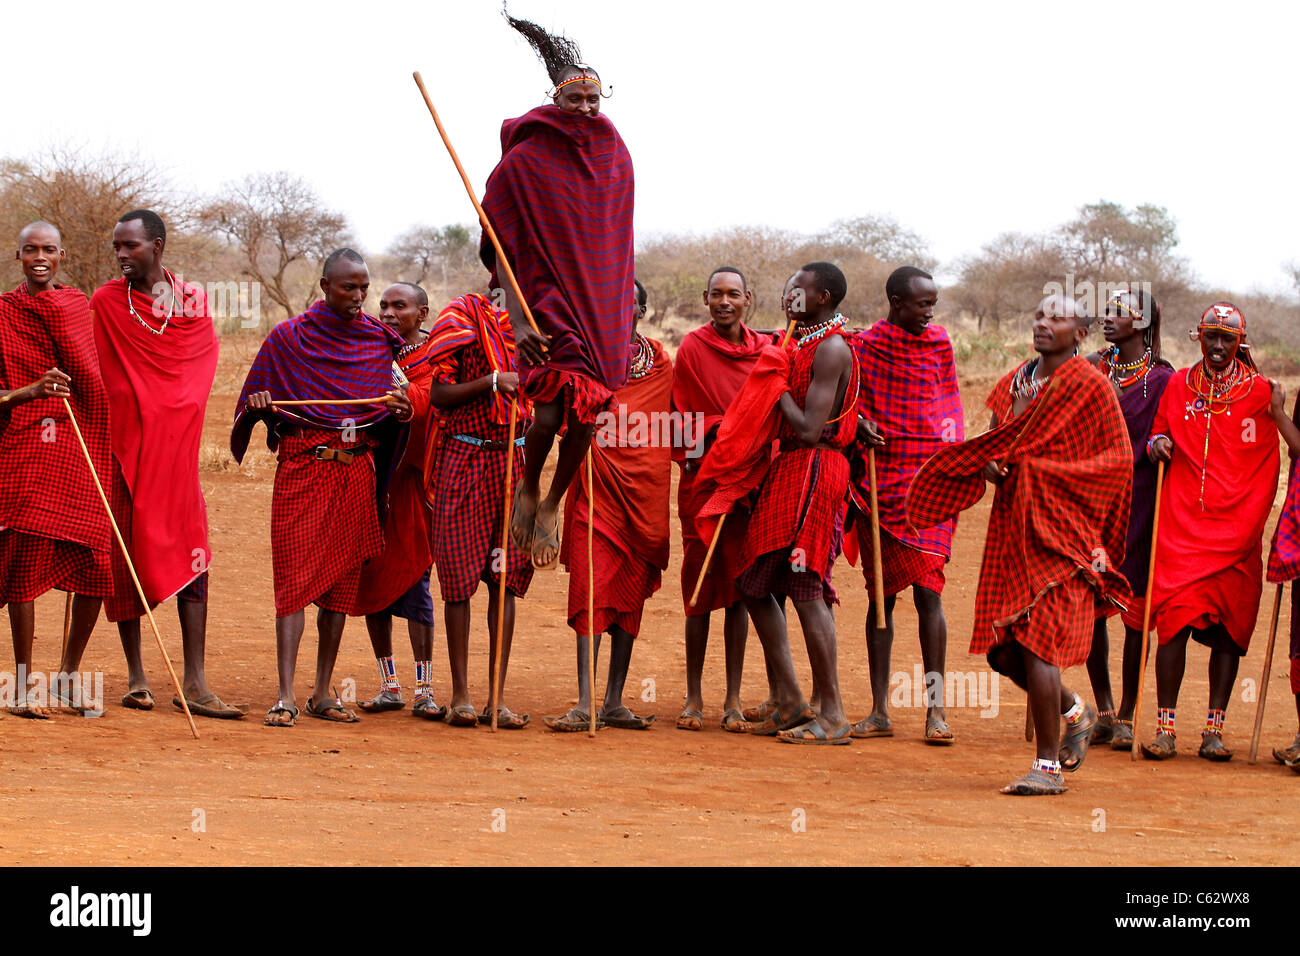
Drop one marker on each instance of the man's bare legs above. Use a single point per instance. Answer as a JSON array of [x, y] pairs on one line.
[[933, 628], [536, 517], [193, 617], [288, 638], [735, 635], [456, 614]]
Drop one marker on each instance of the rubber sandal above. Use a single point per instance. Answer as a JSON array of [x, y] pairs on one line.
[[690, 719], [323, 710], [937, 733], [760, 713], [281, 708], [1123, 737], [425, 706], [625, 719], [574, 722], [546, 538], [1212, 749], [462, 715], [385, 700], [868, 727], [138, 700], [814, 733], [1162, 748], [775, 723], [734, 722], [1075, 745], [211, 706], [506, 718]]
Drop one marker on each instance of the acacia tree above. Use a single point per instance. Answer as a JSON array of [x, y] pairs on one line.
[[422, 252], [276, 222], [83, 195], [883, 238]]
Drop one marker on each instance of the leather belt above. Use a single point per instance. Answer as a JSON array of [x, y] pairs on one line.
[[487, 444], [326, 453]]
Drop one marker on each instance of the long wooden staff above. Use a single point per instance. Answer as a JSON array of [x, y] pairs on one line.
[[144, 601], [505, 565], [504, 265], [1268, 667], [876, 566], [482, 216], [1146, 611], [67, 622], [591, 602], [717, 531]]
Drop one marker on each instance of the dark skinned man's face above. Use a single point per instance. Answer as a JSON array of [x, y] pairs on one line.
[[400, 312], [136, 253], [1116, 321], [1219, 348], [1054, 334], [41, 252], [583, 97], [727, 299], [804, 299], [916, 310], [638, 311], [345, 288]]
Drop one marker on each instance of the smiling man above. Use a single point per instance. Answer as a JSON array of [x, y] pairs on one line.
[[712, 364], [1217, 427], [1059, 455], [333, 464], [396, 583], [158, 352], [908, 407], [49, 540]]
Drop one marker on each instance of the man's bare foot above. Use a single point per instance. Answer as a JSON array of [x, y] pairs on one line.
[[523, 517], [546, 537], [30, 706]]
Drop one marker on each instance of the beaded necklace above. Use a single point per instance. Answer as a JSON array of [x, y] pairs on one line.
[[644, 359], [1024, 385], [818, 331], [1128, 374], [171, 308], [1208, 387]]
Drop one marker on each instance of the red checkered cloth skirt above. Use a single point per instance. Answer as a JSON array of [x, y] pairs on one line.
[[719, 588], [324, 524], [774, 573], [31, 564], [584, 395], [468, 502], [1131, 616], [1057, 628], [623, 583], [123, 604], [901, 565]]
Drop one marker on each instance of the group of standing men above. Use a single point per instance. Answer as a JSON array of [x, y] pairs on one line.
[[395, 446]]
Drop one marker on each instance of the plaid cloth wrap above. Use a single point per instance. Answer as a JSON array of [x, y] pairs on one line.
[[1061, 512], [468, 487], [1284, 555], [901, 565], [798, 508], [324, 526], [31, 564], [319, 355], [909, 389], [46, 488], [561, 201]]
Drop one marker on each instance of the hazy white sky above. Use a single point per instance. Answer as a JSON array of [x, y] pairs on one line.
[[962, 120]]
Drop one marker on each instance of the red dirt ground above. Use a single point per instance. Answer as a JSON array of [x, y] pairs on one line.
[[127, 788]]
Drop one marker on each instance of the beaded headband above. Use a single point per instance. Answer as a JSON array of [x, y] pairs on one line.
[[580, 78], [1223, 316], [1140, 319]]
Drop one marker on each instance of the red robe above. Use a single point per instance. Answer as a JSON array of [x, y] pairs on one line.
[[708, 374], [632, 476], [407, 553], [1059, 519], [51, 540], [1209, 566], [158, 388]]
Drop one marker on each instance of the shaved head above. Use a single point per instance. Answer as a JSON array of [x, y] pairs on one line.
[[30, 231], [1066, 308], [338, 257]]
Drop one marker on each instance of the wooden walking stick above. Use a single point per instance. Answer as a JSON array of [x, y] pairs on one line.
[[1146, 611], [1268, 667], [717, 531], [67, 622], [876, 566], [591, 600], [505, 566], [126, 555], [482, 216]]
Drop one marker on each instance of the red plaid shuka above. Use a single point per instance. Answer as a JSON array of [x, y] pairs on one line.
[[1209, 566], [560, 201], [901, 565], [46, 489], [909, 389], [468, 489], [581, 394], [708, 373], [1061, 512], [630, 540], [1284, 555], [324, 525], [801, 497]]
